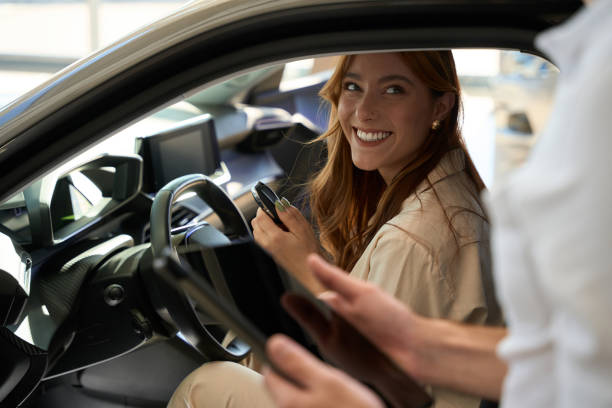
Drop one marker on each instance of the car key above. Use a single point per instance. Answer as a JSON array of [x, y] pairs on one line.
[[265, 197]]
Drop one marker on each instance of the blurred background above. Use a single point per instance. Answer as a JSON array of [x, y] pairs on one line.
[[507, 94], [39, 37]]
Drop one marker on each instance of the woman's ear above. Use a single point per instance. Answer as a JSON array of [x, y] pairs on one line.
[[443, 105]]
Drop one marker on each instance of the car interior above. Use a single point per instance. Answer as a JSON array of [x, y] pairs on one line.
[[87, 321]]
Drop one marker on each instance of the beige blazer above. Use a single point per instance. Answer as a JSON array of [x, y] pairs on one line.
[[434, 256]]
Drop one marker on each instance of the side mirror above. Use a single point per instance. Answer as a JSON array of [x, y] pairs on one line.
[[60, 207]]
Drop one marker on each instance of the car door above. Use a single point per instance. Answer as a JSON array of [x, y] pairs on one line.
[[176, 61]]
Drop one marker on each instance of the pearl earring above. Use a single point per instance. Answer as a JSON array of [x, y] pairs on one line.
[[435, 125]]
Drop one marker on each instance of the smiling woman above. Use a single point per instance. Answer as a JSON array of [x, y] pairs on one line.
[[412, 101], [397, 202]]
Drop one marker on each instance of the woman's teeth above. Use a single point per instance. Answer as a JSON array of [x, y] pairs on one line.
[[372, 136]]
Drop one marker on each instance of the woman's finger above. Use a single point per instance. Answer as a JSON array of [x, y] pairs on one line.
[[265, 222], [255, 220], [292, 218], [261, 230]]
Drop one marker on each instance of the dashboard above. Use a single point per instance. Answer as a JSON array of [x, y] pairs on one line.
[[87, 223], [84, 215]]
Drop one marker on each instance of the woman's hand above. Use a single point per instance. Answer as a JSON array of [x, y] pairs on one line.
[[316, 384], [288, 248]]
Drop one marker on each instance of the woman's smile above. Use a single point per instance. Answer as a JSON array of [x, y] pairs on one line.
[[371, 137]]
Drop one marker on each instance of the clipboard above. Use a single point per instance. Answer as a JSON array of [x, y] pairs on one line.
[[259, 289]]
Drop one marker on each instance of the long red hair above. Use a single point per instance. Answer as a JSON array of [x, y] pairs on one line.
[[350, 205]]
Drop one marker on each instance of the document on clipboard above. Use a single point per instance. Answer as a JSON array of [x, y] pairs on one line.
[[261, 292]]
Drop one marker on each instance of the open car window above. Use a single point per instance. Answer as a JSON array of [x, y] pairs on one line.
[[507, 96]]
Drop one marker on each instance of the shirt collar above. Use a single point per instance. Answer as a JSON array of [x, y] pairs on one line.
[[565, 43], [451, 163]]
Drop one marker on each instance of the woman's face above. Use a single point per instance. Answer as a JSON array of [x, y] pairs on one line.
[[385, 112]]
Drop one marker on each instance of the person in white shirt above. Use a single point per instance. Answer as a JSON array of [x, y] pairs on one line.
[[552, 232]]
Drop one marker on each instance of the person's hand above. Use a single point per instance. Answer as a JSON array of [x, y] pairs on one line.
[[339, 342], [384, 320], [315, 384], [433, 351], [288, 248]]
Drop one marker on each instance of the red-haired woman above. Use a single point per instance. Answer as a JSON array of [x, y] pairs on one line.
[[397, 202]]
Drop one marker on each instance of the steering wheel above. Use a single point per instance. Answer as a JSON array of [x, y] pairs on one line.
[[194, 325]]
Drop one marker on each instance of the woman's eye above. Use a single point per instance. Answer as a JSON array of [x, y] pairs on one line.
[[351, 86], [394, 90]]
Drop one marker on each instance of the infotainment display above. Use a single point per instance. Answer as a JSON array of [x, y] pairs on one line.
[[189, 147]]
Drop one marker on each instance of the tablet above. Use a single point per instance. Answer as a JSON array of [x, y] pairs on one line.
[[260, 294]]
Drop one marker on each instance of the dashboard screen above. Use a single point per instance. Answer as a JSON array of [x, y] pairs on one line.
[[183, 153], [189, 147]]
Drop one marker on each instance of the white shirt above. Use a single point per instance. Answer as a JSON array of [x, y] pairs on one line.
[[552, 233]]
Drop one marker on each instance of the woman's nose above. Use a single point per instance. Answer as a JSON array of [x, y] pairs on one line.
[[367, 108]]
